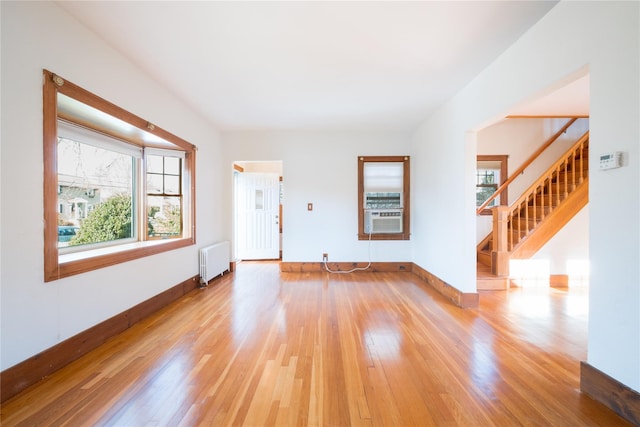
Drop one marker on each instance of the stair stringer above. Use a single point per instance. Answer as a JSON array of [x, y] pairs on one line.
[[553, 222]]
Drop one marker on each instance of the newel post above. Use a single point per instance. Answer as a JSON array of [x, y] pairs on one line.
[[500, 252]]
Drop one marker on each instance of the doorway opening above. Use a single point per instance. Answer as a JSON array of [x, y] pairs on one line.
[[258, 198], [535, 136]]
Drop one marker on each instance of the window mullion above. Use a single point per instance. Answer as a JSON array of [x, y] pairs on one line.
[[140, 208]]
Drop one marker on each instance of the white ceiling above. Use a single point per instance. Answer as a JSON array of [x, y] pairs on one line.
[[311, 65], [567, 99]]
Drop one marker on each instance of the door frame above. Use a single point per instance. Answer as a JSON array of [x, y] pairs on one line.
[[240, 166]]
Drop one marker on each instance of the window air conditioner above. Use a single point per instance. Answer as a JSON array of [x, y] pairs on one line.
[[383, 221]]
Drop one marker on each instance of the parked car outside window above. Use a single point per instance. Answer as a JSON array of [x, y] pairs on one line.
[[66, 232]]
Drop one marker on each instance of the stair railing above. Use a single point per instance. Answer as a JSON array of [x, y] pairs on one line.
[[546, 193], [525, 165]]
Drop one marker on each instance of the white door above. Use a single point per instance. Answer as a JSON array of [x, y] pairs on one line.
[[258, 221]]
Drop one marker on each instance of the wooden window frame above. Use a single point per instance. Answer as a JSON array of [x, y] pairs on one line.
[[406, 220], [503, 198], [54, 267]]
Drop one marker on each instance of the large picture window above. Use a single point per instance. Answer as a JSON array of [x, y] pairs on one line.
[[116, 187], [383, 198], [96, 189]]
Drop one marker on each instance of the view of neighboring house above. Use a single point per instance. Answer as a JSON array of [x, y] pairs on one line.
[[75, 202]]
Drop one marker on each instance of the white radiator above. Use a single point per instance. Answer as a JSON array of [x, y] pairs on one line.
[[214, 261]]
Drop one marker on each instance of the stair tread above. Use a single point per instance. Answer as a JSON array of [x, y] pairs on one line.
[[486, 281]]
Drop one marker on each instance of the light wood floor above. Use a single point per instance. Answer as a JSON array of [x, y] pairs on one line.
[[263, 348]]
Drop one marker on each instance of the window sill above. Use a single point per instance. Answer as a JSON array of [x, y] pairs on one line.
[[85, 261]]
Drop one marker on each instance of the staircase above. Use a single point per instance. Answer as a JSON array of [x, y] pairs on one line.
[[521, 229]]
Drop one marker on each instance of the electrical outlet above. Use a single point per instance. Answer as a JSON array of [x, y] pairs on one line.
[[325, 257]]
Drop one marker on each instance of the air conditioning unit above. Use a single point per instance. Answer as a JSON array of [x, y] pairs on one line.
[[383, 221]]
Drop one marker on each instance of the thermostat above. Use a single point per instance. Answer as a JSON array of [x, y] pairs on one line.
[[610, 160]]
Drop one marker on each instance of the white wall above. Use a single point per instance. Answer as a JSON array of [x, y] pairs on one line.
[[569, 244], [320, 168], [604, 36], [38, 315]]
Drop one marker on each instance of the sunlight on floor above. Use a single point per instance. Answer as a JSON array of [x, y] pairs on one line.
[[530, 303], [530, 273], [535, 273]]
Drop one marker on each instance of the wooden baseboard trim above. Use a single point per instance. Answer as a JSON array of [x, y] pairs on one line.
[[559, 280], [493, 284], [376, 267], [461, 299], [613, 394], [17, 378]]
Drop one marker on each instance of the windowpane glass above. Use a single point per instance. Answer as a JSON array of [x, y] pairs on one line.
[[487, 176], [259, 199], [164, 175], [172, 165], [164, 217], [154, 164], [154, 184], [486, 184], [164, 211], [383, 176], [171, 184], [95, 194], [483, 193]]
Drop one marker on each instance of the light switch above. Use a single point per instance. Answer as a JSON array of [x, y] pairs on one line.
[[309, 206]]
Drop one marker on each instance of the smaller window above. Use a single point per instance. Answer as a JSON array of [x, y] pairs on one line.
[[486, 185], [383, 198], [164, 194], [491, 172]]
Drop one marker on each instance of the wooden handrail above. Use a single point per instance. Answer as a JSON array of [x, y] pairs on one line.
[[555, 166], [526, 164]]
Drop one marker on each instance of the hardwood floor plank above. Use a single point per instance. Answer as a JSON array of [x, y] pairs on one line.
[[263, 347]]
